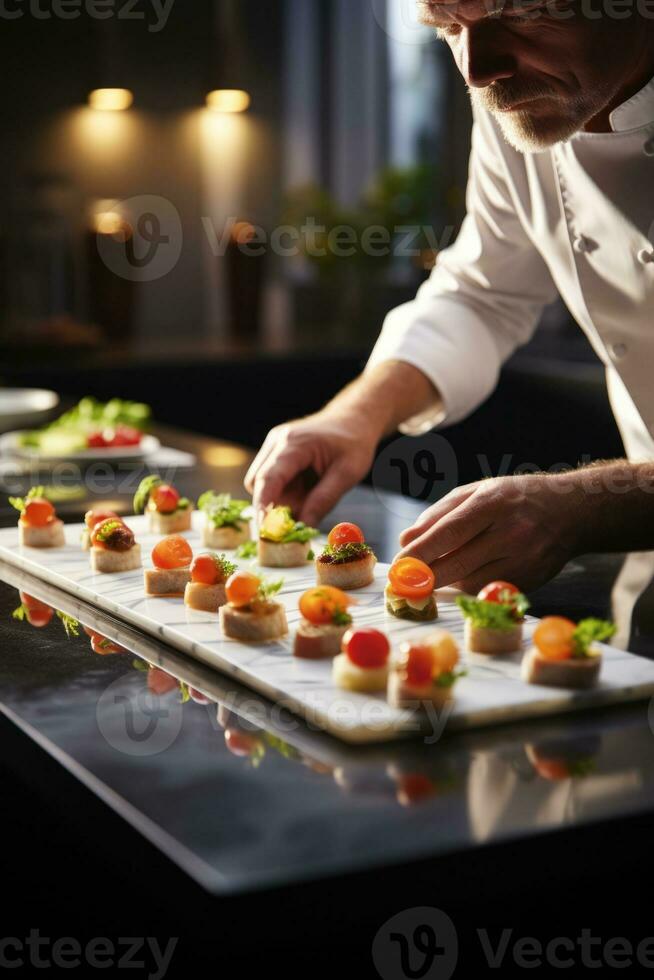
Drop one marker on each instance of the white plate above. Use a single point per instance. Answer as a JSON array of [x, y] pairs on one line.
[[25, 407], [10, 446], [491, 694]]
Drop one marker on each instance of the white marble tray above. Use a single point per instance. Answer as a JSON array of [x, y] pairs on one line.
[[492, 693]]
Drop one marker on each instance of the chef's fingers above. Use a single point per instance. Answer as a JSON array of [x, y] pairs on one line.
[[280, 468], [336, 481], [435, 513], [453, 531], [266, 448], [503, 569], [466, 563]]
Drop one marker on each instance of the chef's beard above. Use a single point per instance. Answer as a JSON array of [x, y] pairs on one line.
[[529, 132]]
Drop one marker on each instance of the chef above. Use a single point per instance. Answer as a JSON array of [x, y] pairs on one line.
[[560, 199]]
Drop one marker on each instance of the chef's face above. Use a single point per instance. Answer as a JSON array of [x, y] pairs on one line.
[[544, 69]]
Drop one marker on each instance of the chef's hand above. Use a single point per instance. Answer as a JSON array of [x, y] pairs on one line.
[[522, 529], [309, 464]]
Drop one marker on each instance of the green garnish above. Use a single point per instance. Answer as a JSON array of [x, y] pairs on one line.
[[20, 613], [247, 550], [591, 631], [279, 527], [226, 566], [268, 589], [311, 556], [70, 624], [493, 615], [107, 529], [19, 502], [184, 691], [341, 618], [89, 415], [343, 553], [184, 503], [450, 678], [222, 510], [142, 495]]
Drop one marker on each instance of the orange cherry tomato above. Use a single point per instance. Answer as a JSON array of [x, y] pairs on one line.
[[419, 663], [319, 605], [159, 682], [38, 613], [165, 498], [97, 516], [366, 647], [242, 588], [38, 512], [411, 578], [206, 570], [498, 592], [553, 637], [172, 552], [554, 770], [345, 534]]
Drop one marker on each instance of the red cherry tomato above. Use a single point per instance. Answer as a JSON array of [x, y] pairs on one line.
[[104, 647], [198, 696], [241, 744], [126, 436], [159, 682], [242, 588], [38, 512], [345, 534], [38, 613], [206, 570], [98, 515], [411, 578], [554, 637], [165, 498], [96, 441], [366, 647], [414, 787], [319, 605], [499, 592], [172, 552]]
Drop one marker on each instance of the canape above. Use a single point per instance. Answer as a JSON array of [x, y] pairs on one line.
[[409, 593], [324, 624], [38, 524], [167, 511], [564, 655], [363, 665], [226, 527], [283, 541], [92, 517], [425, 671], [206, 590], [493, 621], [251, 614], [347, 562], [113, 548], [172, 559]]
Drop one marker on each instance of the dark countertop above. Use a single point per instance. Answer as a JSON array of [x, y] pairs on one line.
[[244, 798]]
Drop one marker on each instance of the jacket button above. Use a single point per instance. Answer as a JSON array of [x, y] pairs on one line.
[[646, 255], [580, 244], [648, 147], [618, 351]]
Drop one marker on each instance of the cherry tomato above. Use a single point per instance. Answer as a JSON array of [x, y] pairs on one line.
[[172, 552], [38, 613], [553, 637], [38, 512], [319, 605], [96, 441], [414, 787], [113, 535], [418, 663], [159, 682], [366, 647], [97, 515], [242, 588], [554, 770], [345, 534], [499, 592], [411, 578], [198, 696], [206, 570], [125, 436], [165, 498], [104, 647], [241, 743]]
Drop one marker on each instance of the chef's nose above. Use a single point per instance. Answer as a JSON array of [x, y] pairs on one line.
[[484, 58]]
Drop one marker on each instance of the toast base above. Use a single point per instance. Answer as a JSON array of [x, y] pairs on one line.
[[109, 562], [204, 598], [50, 536]]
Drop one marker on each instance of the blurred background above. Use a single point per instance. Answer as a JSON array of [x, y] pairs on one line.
[[211, 207]]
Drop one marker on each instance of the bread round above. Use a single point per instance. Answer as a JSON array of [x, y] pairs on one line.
[[166, 581], [254, 627], [576, 674], [352, 678], [348, 575], [318, 642], [225, 538], [174, 523], [50, 536], [205, 598], [403, 695], [482, 639], [109, 562], [285, 554]]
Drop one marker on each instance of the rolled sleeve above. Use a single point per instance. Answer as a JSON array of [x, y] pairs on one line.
[[483, 299]]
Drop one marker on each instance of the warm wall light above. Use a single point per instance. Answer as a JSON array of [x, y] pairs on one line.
[[111, 99], [228, 100], [225, 457]]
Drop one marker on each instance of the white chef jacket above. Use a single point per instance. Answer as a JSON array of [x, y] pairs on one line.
[[577, 219]]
